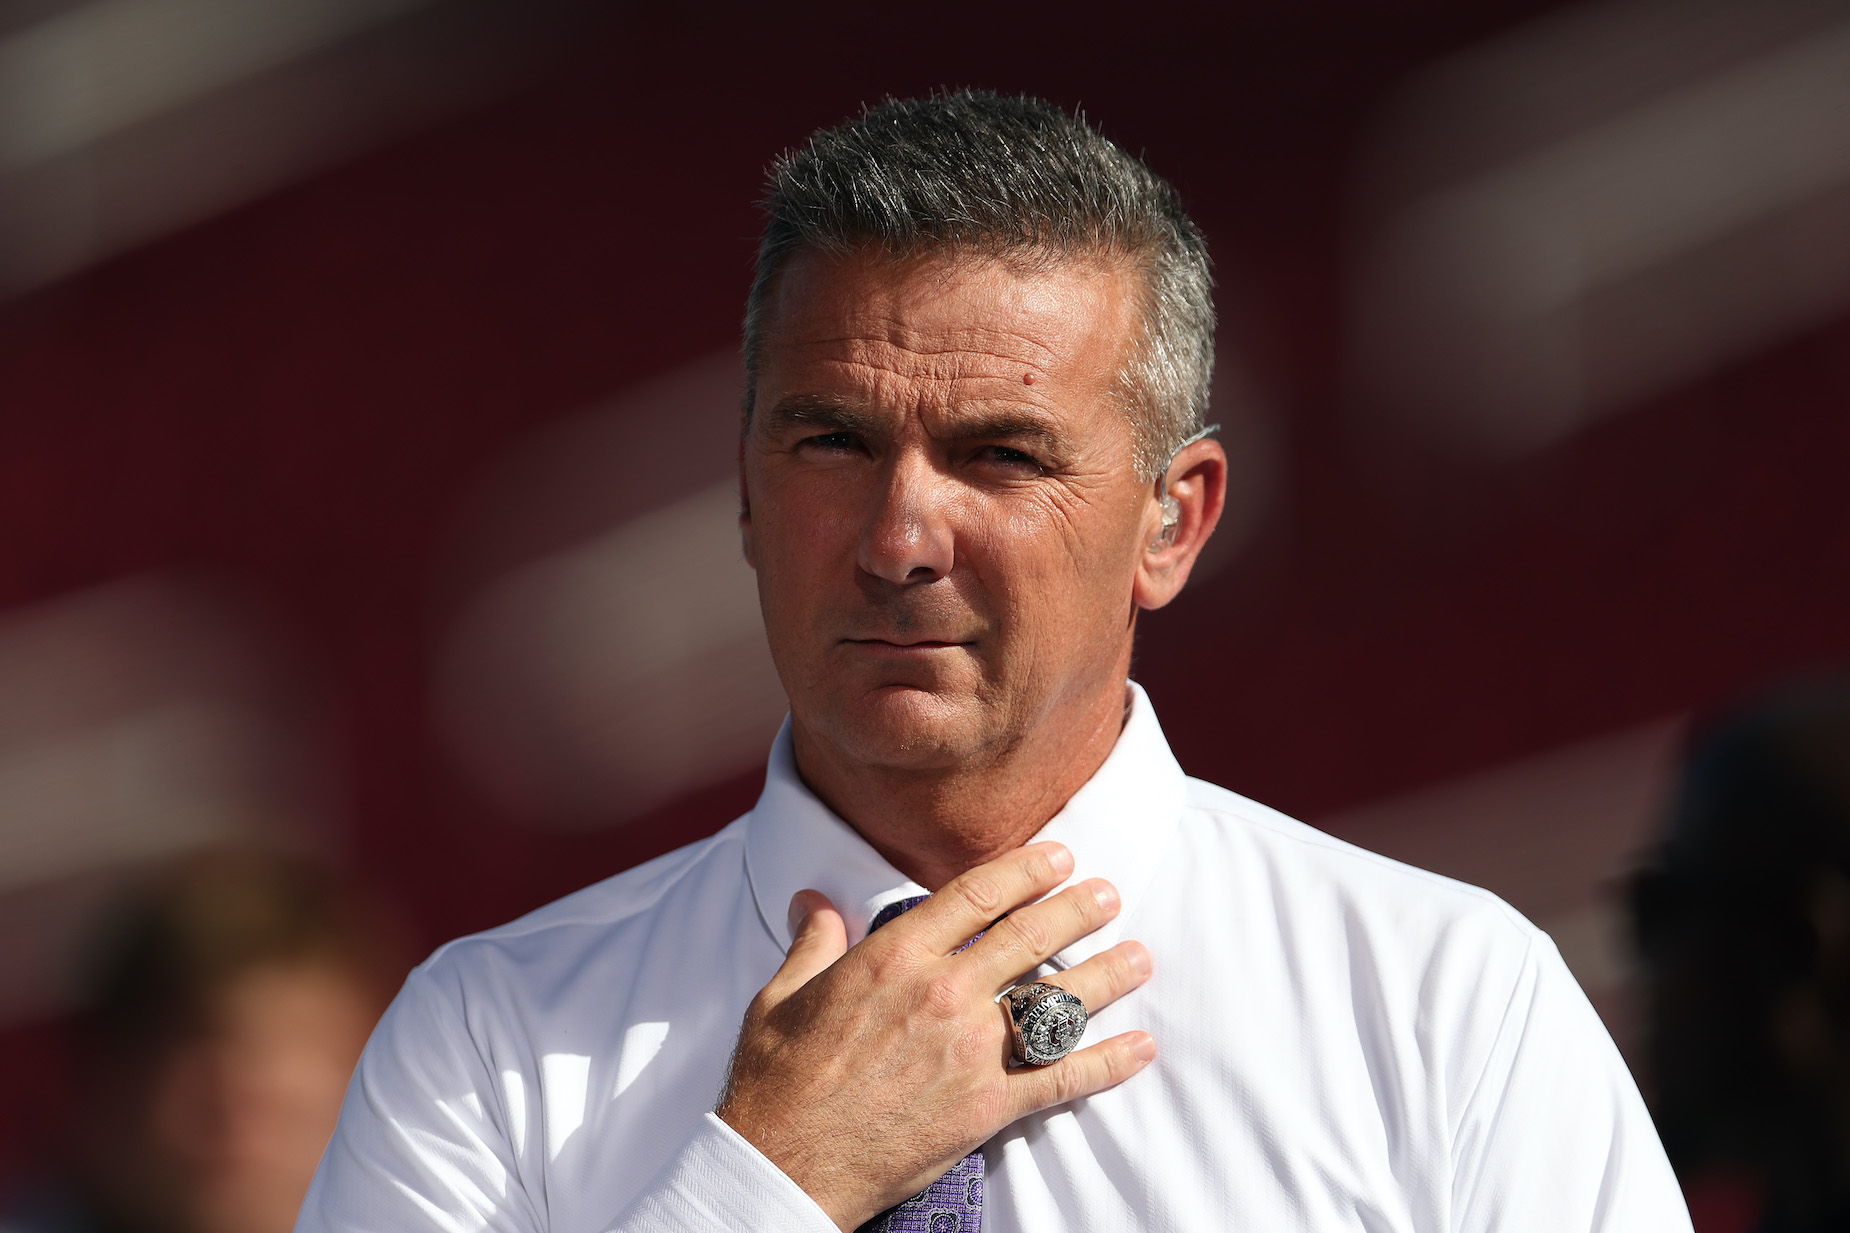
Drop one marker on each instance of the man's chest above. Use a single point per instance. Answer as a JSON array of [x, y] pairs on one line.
[[1246, 1121]]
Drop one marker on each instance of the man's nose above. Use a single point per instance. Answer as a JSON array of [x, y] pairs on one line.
[[908, 535]]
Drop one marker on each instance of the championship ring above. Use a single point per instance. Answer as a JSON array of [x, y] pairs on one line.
[[1047, 1022]]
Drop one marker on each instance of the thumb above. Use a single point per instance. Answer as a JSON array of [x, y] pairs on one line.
[[818, 938]]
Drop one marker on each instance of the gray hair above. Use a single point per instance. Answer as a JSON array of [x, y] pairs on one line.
[[1014, 178]]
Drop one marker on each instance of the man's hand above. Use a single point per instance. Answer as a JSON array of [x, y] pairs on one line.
[[864, 1074]]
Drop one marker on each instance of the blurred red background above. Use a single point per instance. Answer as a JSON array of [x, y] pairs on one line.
[[298, 404]]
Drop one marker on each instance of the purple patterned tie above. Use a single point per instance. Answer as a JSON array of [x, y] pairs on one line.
[[953, 1203]]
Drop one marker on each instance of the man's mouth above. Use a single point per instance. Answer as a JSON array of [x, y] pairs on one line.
[[905, 643]]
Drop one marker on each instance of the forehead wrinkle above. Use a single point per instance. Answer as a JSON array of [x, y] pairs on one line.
[[972, 343], [860, 324], [885, 360], [1025, 325], [893, 351], [1021, 411]]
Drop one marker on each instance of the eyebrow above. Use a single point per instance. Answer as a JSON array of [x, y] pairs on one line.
[[818, 413], [810, 411]]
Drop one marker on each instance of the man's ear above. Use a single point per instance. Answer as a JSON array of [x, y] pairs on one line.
[[1197, 487]]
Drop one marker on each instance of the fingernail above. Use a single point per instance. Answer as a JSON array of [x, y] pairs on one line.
[[799, 912], [1139, 959], [1106, 894], [1060, 857], [1144, 1048]]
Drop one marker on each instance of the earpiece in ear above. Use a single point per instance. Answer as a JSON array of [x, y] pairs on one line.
[[1172, 508], [1172, 518]]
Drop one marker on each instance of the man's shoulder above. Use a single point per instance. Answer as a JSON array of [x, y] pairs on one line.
[[702, 870], [1319, 872], [1403, 955]]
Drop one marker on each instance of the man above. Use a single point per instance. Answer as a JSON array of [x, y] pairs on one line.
[[1742, 919], [979, 347], [231, 997]]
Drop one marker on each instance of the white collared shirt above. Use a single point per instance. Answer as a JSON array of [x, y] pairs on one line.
[[1344, 1043]]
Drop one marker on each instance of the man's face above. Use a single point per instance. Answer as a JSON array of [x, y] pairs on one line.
[[941, 502]]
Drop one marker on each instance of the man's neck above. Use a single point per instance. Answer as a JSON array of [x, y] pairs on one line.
[[932, 825]]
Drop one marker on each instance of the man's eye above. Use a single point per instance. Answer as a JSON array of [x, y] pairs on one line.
[[832, 443], [1009, 457]]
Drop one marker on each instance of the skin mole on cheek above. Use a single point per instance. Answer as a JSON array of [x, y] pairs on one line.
[[1027, 378]]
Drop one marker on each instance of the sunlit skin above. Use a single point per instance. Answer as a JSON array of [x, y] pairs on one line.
[[951, 539]]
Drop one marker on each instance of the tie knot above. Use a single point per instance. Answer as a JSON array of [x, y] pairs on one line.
[[893, 911], [899, 907]]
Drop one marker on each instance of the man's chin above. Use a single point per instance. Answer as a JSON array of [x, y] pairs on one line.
[[903, 728]]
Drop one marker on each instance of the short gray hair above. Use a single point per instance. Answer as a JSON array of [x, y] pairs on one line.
[[1006, 177]]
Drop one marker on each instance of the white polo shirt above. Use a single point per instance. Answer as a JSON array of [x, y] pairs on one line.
[[1344, 1043]]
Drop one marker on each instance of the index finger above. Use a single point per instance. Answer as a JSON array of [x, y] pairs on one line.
[[972, 901]]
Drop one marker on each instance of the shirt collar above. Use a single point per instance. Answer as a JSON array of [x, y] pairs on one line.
[[1117, 826]]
